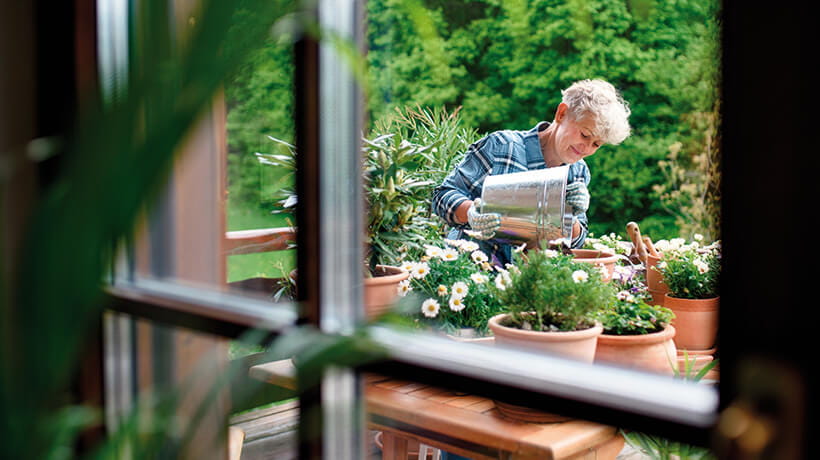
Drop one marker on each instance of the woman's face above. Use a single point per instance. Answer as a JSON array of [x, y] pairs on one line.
[[574, 139]]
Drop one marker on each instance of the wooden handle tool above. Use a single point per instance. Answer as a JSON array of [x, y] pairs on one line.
[[650, 248], [634, 233]]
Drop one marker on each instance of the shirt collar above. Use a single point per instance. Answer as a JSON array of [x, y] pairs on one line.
[[533, 146]]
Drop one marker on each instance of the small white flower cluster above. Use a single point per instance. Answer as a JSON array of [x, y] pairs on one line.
[[679, 244], [459, 290]]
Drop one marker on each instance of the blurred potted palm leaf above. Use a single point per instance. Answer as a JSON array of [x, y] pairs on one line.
[[112, 164]]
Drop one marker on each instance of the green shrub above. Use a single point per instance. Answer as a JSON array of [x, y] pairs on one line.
[[546, 291]]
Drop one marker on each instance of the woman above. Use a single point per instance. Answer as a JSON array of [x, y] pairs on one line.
[[591, 113]]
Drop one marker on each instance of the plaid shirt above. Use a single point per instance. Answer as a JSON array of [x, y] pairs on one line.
[[501, 152]]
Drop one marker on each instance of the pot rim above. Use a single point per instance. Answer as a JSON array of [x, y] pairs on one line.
[[399, 274], [678, 303], [668, 333], [499, 329], [603, 257]]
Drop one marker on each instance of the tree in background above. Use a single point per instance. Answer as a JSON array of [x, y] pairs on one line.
[[506, 62], [259, 100]]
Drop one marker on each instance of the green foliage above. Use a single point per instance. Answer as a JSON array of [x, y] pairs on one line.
[[409, 153], [658, 448], [625, 317], [125, 148], [691, 272], [451, 286], [259, 100], [547, 291]]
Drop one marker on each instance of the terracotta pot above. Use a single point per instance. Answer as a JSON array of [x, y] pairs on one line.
[[653, 352], [658, 297], [654, 278], [696, 321], [599, 258], [382, 290], [578, 345]]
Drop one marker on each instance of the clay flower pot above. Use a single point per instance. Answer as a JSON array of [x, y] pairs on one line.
[[578, 345], [653, 352], [382, 290], [599, 258], [696, 321], [654, 281]]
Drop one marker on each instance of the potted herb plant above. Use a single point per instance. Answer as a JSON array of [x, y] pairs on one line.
[[451, 283], [692, 274], [552, 303], [636, 334]]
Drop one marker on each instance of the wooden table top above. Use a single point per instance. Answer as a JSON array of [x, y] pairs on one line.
[[462, 423]]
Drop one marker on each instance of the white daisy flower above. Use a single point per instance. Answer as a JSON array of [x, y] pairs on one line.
[[580, 276], [441, 290], [449, 254], [404, 288], [409, 266], [550, 253], [479, 278], [697, 237], [502, 280], [478, 257], [459, 289], [453, 243], [433, 251], [513, 269], [456, 304], [430, 308], [468, 246], [661, 265], [486, 266], [661, 245], [420, 270]]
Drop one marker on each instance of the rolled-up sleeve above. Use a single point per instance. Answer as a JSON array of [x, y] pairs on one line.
[[464, 182]]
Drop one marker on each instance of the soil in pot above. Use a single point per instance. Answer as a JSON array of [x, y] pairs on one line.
[[578, 345], [653, 352]]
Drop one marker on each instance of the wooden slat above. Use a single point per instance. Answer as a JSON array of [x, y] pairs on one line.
[[280, 373], [236, 436], [557, 440], [259, 240]]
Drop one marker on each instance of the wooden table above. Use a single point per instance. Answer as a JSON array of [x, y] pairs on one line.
[[462, 424]]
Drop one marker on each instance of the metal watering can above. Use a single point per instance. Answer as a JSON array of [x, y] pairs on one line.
[[531, 205]]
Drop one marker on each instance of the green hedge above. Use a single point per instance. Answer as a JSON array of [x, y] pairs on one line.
[[505, 63]]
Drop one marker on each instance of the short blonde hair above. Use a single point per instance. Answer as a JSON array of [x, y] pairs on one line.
[[601, 100]]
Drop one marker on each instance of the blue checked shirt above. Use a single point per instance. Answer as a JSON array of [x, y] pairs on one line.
[[501, 152]]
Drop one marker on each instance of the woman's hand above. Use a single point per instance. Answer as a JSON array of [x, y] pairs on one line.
[[484, 225]]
